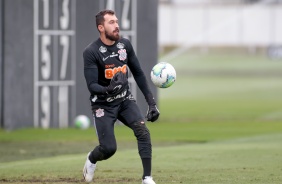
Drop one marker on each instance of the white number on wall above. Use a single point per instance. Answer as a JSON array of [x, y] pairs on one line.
[[110, 5], [64, 19], [45, 107], [45, 57], [63, 106], [125, 22], [45, 13], [64, 42], [53, 30]]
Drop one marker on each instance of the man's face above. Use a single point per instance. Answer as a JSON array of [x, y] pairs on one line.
[[111, 27]]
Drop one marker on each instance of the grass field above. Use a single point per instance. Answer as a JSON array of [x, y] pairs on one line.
[[221, 122]]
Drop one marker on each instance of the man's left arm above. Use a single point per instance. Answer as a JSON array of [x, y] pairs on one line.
[[140, 78]]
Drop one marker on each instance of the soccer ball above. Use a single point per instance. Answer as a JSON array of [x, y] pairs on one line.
[[82, 122], [163, 75]]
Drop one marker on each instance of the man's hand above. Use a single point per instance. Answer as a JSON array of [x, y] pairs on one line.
[[117, 84], [152, 113]]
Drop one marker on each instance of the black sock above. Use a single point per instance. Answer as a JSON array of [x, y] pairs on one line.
[[147, 166]]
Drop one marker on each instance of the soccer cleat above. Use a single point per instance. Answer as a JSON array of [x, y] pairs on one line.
[[148, 180], [88, 170]]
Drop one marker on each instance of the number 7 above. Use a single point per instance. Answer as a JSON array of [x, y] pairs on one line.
[[64, 41]]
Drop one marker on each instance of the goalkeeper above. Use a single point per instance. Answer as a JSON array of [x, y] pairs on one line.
[[106, 63]]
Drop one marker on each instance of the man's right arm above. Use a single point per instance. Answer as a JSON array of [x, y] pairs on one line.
[[91, 74]]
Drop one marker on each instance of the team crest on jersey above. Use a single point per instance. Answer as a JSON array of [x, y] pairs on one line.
[[103, 49], [122, 54], [120, 45], [99, 113]]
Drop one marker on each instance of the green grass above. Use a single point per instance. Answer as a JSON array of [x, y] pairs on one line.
[[221, 122], [255, 159]]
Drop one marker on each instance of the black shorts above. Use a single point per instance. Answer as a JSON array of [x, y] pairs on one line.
[[105, 116], [127, 112]]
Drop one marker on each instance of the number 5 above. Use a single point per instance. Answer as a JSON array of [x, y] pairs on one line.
[[45, 57]]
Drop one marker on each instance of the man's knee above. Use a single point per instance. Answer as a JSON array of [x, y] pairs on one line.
[[103, 152], [144, 141], [141, 131], [109, 150]]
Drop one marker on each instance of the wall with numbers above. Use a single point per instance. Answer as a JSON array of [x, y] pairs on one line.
[[54, 63], [42, 81]]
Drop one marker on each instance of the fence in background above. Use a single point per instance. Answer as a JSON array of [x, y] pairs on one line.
[[257, 24]]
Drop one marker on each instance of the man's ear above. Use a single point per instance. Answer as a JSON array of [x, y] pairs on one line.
[[101, 28]]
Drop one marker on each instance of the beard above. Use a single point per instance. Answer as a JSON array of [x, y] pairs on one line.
[[112, 36]]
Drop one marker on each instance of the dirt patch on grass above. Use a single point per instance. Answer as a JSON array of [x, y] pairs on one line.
[[68, 180]]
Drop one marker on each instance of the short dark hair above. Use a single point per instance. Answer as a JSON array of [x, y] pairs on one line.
[[100, 16]]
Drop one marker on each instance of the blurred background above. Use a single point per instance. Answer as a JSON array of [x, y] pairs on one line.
[[220, 122], [250, 24], [227, 55]]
